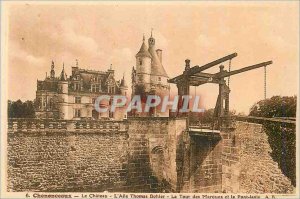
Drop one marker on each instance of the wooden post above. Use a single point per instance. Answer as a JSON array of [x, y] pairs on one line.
[[221, 93], [183, 89]]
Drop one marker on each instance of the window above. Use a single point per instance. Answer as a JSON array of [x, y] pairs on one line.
[[76, 86], [111, 89], [111, 114], [77, 100], [159, 79], [51, 103], [77, 113], [95, 88], [93, 100], [141, 62]]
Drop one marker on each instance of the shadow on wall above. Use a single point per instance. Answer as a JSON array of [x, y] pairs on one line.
[[205, 164], [203, 154], [282, 139]]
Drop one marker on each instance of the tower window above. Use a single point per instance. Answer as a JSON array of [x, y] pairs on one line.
[[141, 62], [159, 78]]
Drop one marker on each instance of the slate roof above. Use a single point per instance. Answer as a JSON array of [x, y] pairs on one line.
[[143, 51], [156, 66]]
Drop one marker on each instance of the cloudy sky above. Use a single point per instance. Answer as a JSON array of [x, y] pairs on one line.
[[100, 34]]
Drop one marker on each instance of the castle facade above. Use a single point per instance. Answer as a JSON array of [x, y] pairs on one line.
[[74, 97]]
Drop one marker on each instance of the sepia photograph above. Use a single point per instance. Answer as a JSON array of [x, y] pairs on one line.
[[149, 99]]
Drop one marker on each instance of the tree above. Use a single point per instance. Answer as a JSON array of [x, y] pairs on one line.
[[18, 109], [276, 106]]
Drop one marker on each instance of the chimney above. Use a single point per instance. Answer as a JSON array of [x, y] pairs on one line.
[[159, 54]]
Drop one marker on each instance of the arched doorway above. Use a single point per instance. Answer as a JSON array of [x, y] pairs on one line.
[[157, 162]]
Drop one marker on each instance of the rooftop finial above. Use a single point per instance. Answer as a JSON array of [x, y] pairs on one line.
[[63, 75], [110, 67], [52, 65], [52, 72], [76, 62], [151, 31], [144, 37]]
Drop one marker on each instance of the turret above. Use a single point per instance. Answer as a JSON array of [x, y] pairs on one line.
[[63, 94], [143, 64], [123, 87]]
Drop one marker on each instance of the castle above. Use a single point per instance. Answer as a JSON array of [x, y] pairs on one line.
[[74, 97]]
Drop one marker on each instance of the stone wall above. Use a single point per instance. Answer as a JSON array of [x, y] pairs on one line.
[[67, 161], [151, 140], [247, 164], [138, 155], [202, 165], [239, 162], [141, 155]]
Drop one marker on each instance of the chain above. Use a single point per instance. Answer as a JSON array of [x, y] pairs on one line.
[[265, 82], [228, 81]]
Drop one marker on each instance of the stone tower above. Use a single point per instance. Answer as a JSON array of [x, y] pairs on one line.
[[143, 69], [63, 95], [150, 77]]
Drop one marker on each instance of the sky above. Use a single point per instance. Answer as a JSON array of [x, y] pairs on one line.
[[101, 33]]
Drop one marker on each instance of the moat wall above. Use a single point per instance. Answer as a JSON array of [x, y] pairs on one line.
[[77, 160], [140, 155], [247, 164], [93, 156]]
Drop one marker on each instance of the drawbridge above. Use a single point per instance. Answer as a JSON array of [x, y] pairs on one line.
[[195, 76]]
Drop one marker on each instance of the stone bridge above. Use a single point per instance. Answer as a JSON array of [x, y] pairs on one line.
[[142, 155]]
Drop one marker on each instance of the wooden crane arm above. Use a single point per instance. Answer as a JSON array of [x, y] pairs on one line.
[[197, 69], [226, 73]]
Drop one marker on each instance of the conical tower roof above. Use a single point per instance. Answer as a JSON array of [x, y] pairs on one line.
[[143, 50], [123, 82], [156, 65], [63, 74]]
